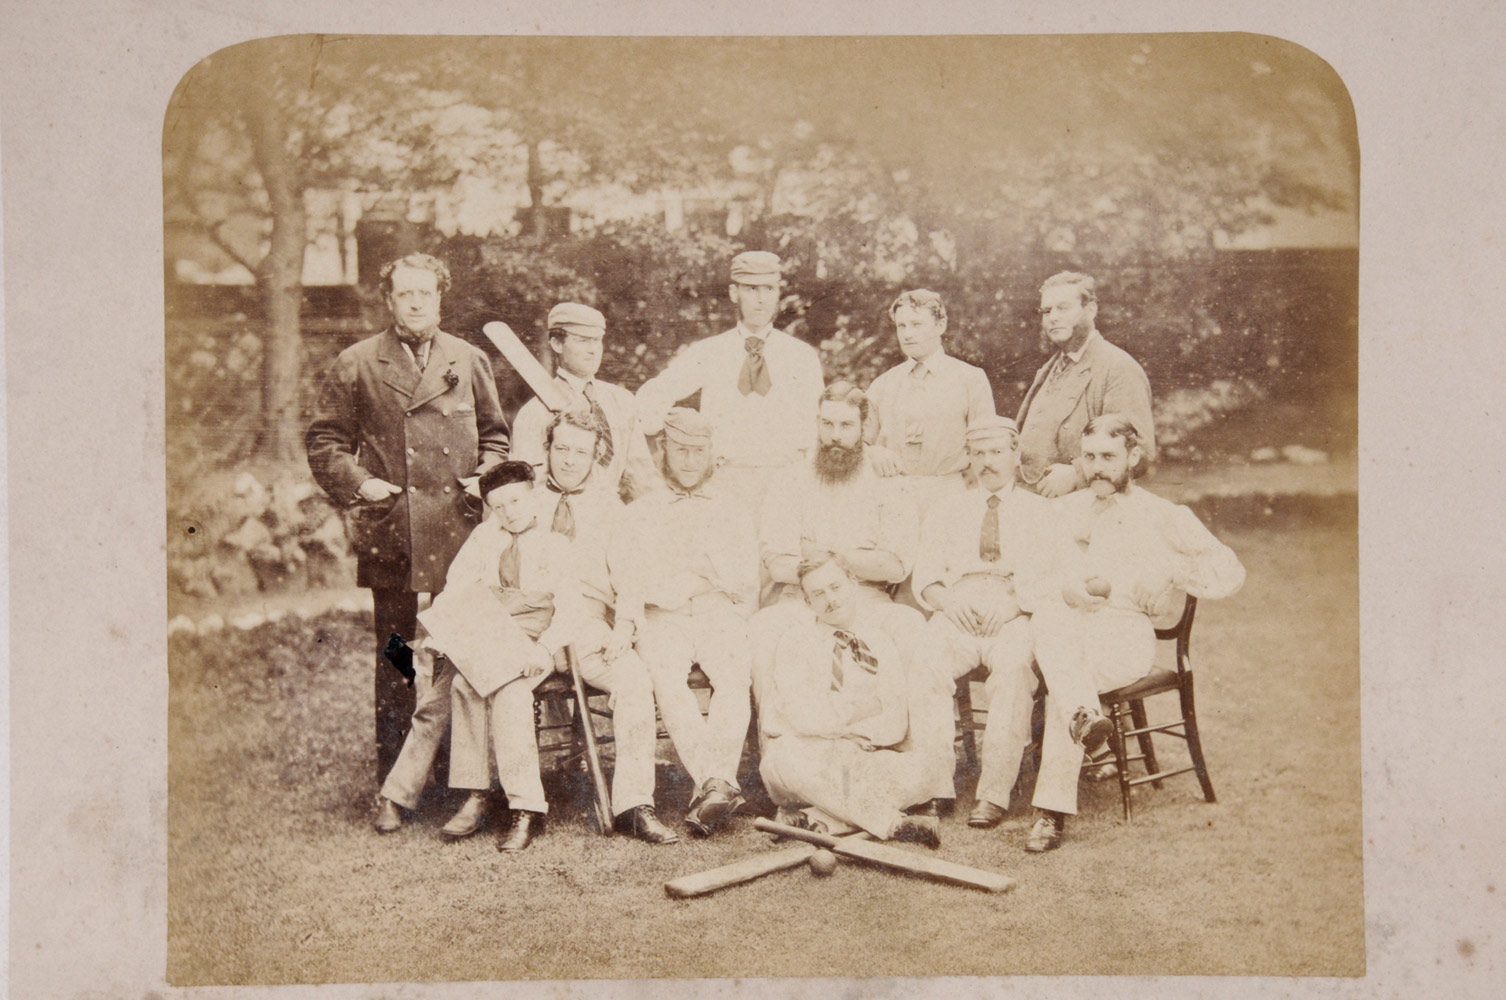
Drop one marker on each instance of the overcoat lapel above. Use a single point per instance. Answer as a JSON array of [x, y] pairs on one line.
[[398, 370], [432, 384]]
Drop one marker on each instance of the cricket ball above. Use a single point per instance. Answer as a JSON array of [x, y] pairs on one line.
[[1098, 586], [823, 863]]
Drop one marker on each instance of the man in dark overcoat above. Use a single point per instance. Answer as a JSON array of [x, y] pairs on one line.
[[401, 419]]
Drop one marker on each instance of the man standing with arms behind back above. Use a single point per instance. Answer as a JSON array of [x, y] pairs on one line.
[[1086, 377], [401, 419], [758, 385]]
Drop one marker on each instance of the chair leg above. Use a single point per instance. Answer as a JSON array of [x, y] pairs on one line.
[[1147, 746], [965, 720], [1194, 743], [1121, 758]]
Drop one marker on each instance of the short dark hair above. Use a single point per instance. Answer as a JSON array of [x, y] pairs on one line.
[[504, 474], [1119, 426], [921, 298], [843, 391], [421, 261], [578, 416]]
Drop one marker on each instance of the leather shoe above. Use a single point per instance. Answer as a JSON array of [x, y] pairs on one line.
[[918, 830], [643, 823], [985, 815], [931, 807], [526, 825], [1090, 728], [1046, 835], [388, 819], [468, 819], [711, 807]]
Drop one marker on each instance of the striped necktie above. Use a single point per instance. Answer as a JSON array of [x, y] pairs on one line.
[[861, 655], [607, 451]]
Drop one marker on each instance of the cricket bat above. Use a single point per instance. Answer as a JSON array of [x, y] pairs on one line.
[[746, 870], [738, 872], [526, 365], [896, 858], [603, 799]]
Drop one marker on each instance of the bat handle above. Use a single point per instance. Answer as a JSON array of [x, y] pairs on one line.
[[794, 832]]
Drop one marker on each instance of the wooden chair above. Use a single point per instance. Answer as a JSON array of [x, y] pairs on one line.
[[573, 723], [1128, 703], [1125, 707]]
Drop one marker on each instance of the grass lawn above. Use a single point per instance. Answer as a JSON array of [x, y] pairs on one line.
[[275, 875]]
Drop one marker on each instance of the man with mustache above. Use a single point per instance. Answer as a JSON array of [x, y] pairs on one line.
[[834, 711], [835, 505], [401, 419], [1086, 377], [984, 567], [1127, 556]]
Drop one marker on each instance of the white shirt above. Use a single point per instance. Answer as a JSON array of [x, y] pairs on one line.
[[923, 419], [866, 512], [678, 547], [751, 430], [545, 564], [1029, 542], [1146, 547], [598, 516], [631, 467], [801, 700]]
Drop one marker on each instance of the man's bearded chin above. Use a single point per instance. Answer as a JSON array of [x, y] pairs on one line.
[[414, 338], [1102, 486], [837, 463]]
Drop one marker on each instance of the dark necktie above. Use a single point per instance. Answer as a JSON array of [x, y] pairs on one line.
[[861, 655], [755, 374], [606, 429], [510, 566], [564, 514], [988, 543]]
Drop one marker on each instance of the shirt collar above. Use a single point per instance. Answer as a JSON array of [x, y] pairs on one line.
[[761, 334], [573, 381], [930, 362]]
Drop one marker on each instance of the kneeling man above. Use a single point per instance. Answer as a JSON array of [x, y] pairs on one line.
[[834, 708], [1127, 557]]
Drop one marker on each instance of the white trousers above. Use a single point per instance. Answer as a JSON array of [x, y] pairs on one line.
[[1008, 692], [514, 740], [1082, 653], [716, 638], [868, 789], [634, 728]]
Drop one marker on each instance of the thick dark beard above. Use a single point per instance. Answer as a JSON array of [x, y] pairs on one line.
[[414, 338], [837, 463]]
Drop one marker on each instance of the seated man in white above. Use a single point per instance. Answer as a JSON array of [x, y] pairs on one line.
[[691, 562], [984, 565], [1128, 556], [499, 627], [576, 506], [833, 710]]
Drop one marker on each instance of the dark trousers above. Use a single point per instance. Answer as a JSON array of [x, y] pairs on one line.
[[394, 611]]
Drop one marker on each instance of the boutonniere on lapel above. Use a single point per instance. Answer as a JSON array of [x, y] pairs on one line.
[[451, 379]]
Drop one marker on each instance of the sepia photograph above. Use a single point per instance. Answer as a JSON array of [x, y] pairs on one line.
[[737, 507]]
